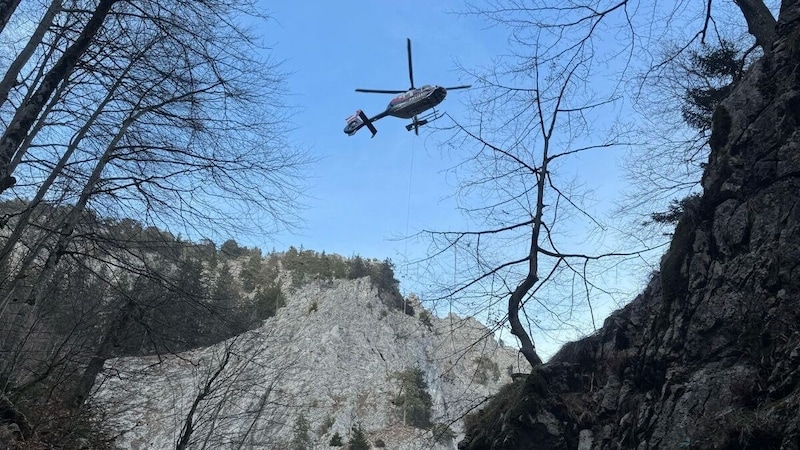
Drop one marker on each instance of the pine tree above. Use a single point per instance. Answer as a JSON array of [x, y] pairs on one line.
[[301, 439], [712, 76], [413, 402], [225, 293], [251, 272], [358, 440], [336, 440], [358, 268]]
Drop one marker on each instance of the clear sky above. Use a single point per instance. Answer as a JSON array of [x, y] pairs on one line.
[[366, 194]]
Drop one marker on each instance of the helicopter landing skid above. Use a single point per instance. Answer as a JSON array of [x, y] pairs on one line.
[[423, 120]]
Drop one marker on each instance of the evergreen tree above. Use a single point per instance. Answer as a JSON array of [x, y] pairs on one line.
[[712, 75], [302, 439], [358, 440], [225, 292], [251, 272], [231, 249], [267, 300], [189, 304], [413, 402], [336, 440], [358, 268]]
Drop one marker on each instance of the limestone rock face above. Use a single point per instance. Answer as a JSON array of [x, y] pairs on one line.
[[331, 355], [708, 355]]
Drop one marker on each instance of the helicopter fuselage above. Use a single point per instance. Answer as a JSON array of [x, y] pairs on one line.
[[415, 101], [407, 105]]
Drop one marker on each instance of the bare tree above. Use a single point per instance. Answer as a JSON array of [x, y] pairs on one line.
[[126, 109], [521, 202], [7, 8], [15, 68], [557, 95], [26, 114], [647, 46], [234, 384]]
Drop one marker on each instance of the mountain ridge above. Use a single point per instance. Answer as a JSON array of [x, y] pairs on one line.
[[333, 354]]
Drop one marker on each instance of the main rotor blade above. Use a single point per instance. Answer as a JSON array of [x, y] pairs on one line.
[[466, 86], [410, 70], [379, 91]]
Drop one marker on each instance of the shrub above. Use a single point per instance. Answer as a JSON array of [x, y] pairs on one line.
[[358, 440], [301, 439], [442, 433], [336, 440], [486, 370], [326, 425], [413, 402], [379, 443], [425, 318]]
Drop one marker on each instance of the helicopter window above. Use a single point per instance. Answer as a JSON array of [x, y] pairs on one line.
[[398, 99]]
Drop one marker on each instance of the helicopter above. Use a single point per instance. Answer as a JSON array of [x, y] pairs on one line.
[[409, 104]]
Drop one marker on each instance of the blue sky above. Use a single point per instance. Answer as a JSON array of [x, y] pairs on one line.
[[366, 194]]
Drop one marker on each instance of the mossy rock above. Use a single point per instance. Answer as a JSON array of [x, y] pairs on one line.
[[510, 419]]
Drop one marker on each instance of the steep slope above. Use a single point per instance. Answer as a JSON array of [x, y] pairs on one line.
[[707, 357], [332, 355]]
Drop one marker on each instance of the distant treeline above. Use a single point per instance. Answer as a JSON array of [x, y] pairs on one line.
[[183, 294], [120, 288]]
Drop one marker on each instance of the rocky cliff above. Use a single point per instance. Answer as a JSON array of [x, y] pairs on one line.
[[708, 355], [331, 358]]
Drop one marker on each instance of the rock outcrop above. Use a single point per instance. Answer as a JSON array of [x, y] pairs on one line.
[[708, 356], [332, 356]]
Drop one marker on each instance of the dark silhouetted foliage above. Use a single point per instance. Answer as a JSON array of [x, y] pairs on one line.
[[336, 440], [267, 300], [358, 440], [712, 74], [413, 403], [442, 433], [676, 210], [231, 249], [301, 439]]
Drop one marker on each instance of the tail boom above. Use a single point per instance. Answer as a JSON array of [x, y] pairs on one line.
[[357, 121]]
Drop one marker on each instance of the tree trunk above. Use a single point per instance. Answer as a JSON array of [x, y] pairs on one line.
[[7, 8], [527, 348], [95, 366], [760, 22], [23, 221], [10, 78], [208, 389], [28, 112]]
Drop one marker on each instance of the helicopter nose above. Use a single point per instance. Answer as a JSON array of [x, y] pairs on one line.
[[439, 94]]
